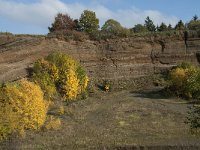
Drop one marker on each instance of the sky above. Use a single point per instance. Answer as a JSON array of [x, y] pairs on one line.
[[34, 16]]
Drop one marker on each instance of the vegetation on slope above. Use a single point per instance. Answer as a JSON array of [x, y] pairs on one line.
[[184, 81], [22, 107], [24, 104], [60, 74]]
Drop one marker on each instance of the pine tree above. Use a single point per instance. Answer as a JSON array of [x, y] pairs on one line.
[[162, 27], [150, 25], [180, 25], [169, 28], [195, 18]]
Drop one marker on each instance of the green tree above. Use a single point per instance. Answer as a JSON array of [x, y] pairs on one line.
[[139, 28], [162, 27], [62, 22], [111, 26], [150, 25], [180, 25], [88, 21], [169, 28], [77, 25], [114, 28], [194, 24], [195, 18]]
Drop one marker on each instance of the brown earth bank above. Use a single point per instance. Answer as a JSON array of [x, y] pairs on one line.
[[127, 62], [123, 120]]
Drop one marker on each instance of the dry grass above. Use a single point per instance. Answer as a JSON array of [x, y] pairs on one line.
[[116, 119]]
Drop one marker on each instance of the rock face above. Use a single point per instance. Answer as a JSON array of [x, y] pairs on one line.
[[126, 62]]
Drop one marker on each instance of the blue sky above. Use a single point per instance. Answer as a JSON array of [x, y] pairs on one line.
[[34, 16]]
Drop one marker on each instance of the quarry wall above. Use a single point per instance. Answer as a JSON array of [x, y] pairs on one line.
[[126, 62]]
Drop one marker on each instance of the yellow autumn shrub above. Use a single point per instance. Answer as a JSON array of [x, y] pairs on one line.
[[22, 107], [178, 77], [71, 86], [45, 74], [59, 73], [184, 81]]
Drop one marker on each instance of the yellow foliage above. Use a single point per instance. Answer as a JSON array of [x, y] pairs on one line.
[[61, 110], [179, 73], [85, 83], [54, 72], [53, 123], [107, 87], [71, 86], [178, 76], [22, 106], [62, 74], [45, 74], [184, 81]]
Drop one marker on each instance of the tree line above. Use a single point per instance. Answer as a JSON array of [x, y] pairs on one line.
[[89, 23]]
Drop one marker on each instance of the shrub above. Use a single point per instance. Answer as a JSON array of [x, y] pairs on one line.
[[107, 86], [193, 119], [184, 80], [67, 35], [139, 28], [61, 74], [22, 107], [45, 74]]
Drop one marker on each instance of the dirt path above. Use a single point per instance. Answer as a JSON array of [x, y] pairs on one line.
[[113, 120]]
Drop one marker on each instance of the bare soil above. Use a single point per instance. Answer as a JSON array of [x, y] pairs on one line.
[[116, 120]]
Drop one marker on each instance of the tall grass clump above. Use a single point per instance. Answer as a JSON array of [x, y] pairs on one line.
[[59, 74]]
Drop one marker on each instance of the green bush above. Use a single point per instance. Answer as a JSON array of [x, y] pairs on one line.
[[184, 80], [60, 74], [193, 119]]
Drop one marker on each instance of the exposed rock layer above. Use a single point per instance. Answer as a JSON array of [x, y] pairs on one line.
[[127, 61]]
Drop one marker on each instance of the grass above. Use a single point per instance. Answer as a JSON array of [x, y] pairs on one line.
[[113, 120]]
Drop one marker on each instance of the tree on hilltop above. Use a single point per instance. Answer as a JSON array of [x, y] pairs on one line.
[[88, 21], [111, 25], [139, 28], [62, 22], [162, 27], [194, 24], [195, 18], [180, 25], [169, 28], [150, 25]]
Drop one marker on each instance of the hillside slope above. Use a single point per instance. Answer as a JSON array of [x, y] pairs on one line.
[[127, 62]]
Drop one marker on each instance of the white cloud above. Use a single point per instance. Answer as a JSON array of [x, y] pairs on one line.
[[42, 13]]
